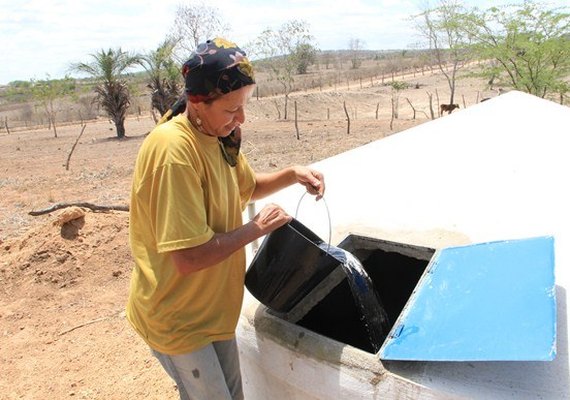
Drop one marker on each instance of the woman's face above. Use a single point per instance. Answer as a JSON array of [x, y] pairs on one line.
[[224, 114]]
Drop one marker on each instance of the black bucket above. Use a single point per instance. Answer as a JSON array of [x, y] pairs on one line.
[[288, 265]]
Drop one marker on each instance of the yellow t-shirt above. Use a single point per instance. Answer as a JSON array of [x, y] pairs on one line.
[[183, 192]]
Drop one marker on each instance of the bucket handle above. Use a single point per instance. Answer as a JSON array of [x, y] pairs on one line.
[[328, 215]]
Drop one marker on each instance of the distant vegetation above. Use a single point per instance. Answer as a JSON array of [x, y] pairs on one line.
[[330, 69], [525, 47]]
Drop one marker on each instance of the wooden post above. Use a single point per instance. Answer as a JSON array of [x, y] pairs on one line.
[[73, 147], [6, 124], [155, 118], [393, 111], [377, 108], [430, 96], [464, 103], [328, 113], [437, 98], [296, 125], [347, 118], [410, 103]]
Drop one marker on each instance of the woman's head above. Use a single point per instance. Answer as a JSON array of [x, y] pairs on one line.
[[217, 67], [222, 115], [219, 81]]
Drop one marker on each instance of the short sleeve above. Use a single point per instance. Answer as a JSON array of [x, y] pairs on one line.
[[177, 208], [246, 181]]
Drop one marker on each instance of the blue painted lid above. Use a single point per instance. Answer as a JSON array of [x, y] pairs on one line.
[[484, 302]]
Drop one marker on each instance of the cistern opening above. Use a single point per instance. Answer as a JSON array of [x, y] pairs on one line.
[[394, 269]]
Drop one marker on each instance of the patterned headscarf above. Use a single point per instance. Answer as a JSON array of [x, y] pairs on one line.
[[217, 67]]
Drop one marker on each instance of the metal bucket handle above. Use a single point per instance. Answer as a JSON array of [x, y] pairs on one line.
[[328, 216]]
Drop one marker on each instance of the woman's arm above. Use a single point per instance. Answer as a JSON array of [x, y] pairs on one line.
[[222, 245], [271, 217], [269, 183]]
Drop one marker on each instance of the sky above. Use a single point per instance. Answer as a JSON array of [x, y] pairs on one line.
[[42, 38]]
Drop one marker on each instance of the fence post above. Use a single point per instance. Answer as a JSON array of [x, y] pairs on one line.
[[296, 125], [6, 125], [347, 118]]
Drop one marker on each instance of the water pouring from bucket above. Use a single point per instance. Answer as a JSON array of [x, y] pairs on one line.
[[293, 260], [372, 313]]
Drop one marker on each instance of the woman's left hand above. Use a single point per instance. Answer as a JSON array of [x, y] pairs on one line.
[[313, 180]]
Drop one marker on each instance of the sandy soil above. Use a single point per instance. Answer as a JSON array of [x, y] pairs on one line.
[[63, 286]]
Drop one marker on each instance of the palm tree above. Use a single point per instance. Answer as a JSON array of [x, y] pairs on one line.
[[108, 68], [164, 76]]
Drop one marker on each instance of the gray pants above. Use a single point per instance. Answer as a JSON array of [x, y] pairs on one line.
[[210, 373]]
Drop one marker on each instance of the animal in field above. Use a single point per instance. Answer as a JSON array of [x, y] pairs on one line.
[[447, 107]]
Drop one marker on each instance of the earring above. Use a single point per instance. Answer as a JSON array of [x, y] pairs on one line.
[[198, 122]]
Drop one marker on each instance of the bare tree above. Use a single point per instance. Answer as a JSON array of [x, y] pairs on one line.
[[355, 45], [442, 27], [195, 23], [326, 59], [281, 48], [47, 92]]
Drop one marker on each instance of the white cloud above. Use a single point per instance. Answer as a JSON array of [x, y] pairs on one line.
[[40, 37], [45, 37]]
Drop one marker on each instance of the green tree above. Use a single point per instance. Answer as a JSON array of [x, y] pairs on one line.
[[18, 91], [163, 76], [529, 46], [305, 55], [47, 92], [108, 68], [280, 47], [397, 87], [442, 26]]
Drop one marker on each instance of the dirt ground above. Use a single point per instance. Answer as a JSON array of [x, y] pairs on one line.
[[63, 286]]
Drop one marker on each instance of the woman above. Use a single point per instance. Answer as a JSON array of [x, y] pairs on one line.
[[190, 188]]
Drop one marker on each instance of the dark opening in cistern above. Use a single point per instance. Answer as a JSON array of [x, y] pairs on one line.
[[394, 269]]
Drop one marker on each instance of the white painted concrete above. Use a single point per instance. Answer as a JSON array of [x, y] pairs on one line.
[[497, 170]]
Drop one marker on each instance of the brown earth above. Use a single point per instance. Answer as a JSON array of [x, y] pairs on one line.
[[63, 286]]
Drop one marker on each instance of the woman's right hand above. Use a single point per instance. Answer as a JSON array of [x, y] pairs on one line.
[[270, 218]]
